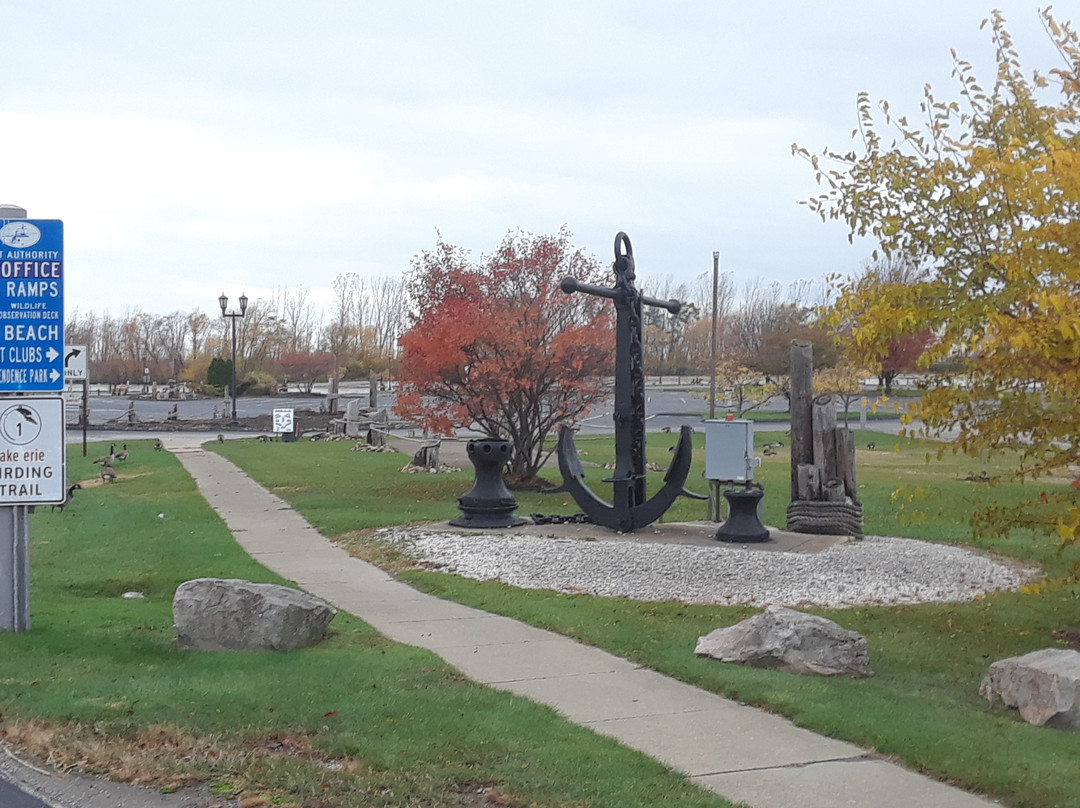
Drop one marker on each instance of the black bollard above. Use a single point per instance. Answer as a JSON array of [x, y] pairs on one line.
[[489, 502], [743, 525]]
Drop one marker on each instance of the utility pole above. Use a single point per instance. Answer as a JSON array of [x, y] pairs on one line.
[[712, 337], [714, 485]]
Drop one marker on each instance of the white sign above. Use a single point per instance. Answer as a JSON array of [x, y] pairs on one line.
[[283, 420], [74, 363], [33, 458]]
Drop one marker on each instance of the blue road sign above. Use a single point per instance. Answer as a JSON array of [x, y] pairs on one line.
[[31, 305]]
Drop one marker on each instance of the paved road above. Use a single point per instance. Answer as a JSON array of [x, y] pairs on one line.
[[106, 410], [666, 410], [24, 786], [13, 797]]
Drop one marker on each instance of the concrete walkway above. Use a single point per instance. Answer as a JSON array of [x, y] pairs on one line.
[[744, 754]]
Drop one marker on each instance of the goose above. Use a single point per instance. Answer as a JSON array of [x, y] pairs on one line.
[[108, 474], [123, 453], [158, 445], [68, 497], [871, 445], [107, 460]]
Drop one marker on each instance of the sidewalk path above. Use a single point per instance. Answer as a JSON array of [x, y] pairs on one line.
[[739, 752]]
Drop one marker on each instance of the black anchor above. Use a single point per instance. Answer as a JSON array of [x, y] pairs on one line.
[[630, 508]]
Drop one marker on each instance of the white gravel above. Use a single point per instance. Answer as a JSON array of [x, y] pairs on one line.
[[877, 570]]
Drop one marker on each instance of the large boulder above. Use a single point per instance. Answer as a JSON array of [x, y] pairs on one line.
[[1044, 685], [230, 614], [791, 641]]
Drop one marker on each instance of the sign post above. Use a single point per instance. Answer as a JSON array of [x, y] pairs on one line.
[[32, 451], [75, 371], [284, 424]]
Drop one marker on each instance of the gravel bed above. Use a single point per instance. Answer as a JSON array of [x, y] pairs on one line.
[[877, 570]]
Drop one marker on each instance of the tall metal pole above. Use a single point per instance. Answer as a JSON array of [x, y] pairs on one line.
[[85, 411], [232, 388], [223, 301], [714, 485], [712, 337]]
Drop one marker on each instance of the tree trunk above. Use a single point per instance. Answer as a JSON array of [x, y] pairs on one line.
[[888, 379], [523, 465]]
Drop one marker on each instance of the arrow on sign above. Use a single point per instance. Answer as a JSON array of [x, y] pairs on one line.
[[71, 355], [54, 374], [51, 354]]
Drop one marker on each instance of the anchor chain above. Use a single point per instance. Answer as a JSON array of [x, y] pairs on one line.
[[560, 519]]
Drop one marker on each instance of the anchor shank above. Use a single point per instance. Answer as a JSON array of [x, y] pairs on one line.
[[629, 398]]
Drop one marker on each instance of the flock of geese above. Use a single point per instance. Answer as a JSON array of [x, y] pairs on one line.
[[108, 473]]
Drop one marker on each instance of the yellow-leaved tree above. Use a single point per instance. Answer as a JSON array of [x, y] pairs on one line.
[[985, 196]]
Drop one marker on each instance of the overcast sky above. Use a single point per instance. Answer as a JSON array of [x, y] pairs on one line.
[[193, 148]]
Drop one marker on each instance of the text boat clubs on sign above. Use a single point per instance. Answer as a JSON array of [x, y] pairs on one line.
[[630, 508]]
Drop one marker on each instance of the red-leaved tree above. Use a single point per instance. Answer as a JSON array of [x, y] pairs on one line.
[[307, 367], [496, 343], [902, 356]]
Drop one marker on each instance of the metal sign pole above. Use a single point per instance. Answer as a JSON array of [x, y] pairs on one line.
[[15, 561], [85, 411]]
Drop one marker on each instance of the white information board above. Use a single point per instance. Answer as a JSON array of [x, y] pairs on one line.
[[33, 458], [283, 420]]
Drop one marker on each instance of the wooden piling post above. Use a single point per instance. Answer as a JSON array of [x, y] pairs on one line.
[[802, 426]]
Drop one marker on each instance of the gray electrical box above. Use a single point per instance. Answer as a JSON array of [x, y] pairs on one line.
[[729, 450]]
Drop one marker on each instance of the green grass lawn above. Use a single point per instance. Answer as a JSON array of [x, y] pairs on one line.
[[922, 706], [99, 683]]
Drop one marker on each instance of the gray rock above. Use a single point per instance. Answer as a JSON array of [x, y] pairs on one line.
[[1044, 685], [792, 641], [230, 614]]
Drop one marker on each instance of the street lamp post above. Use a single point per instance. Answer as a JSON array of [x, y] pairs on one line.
[[233, 315]]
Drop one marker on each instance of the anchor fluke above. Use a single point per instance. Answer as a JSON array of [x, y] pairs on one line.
[[624, 514]]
